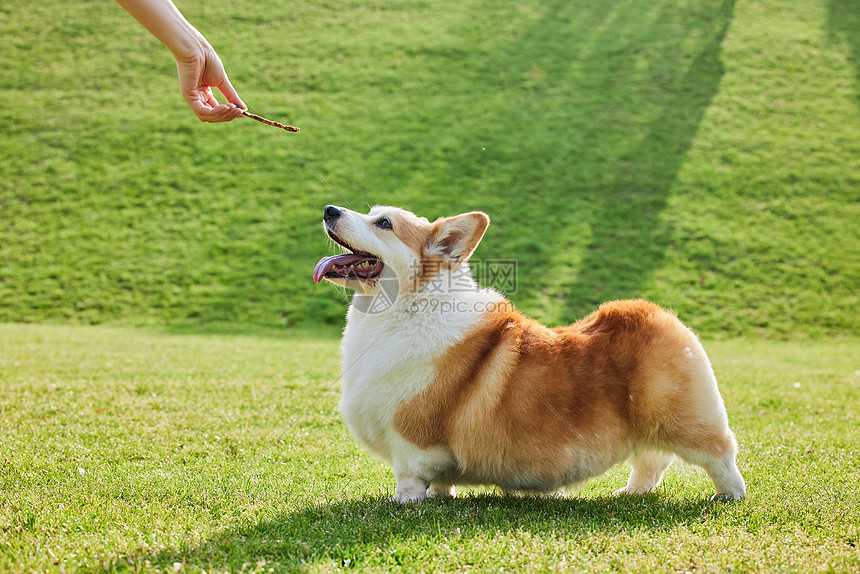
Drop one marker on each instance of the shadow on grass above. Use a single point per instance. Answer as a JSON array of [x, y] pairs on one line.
[[843, 21], [598, 211], [379, 532], [628, 240]]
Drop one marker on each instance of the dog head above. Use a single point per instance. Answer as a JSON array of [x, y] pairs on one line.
[[391, 242]]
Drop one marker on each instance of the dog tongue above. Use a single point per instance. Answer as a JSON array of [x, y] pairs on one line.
[[327, 264]]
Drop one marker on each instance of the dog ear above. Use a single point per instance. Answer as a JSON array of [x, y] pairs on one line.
[[455, 238]]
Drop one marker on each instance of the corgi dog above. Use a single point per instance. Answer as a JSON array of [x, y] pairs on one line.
[[451, 385]]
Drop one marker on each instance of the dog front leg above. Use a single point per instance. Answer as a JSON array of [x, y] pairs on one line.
[[415, 468], [410, 488]]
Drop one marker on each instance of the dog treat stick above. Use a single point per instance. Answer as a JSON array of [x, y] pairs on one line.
[[270, 122]]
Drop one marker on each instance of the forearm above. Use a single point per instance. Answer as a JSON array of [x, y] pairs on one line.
[[197, 64], [165, 22]]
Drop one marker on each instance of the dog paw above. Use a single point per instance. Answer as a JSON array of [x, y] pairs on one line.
[[727, 497], [406, 498], [629, 491], [410, 488], [441, 492], [409, 493]]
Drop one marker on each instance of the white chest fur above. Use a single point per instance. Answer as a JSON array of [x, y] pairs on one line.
[[389, 357]]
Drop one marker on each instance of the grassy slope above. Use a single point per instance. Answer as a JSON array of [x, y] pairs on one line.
[[723, 184], [130, 450]]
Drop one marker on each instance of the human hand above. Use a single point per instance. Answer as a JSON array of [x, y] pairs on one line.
[[199, 72]]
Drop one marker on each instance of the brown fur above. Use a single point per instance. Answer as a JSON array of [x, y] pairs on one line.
[[439, 249], [514, 393]]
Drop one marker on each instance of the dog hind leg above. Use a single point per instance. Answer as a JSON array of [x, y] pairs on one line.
[[727, 479], [716, 454], [723, 471], [697, 428]]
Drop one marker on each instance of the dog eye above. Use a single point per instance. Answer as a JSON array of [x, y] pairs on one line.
[[384, 223]]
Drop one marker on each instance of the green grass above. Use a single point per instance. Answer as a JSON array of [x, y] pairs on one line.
[[703, 154], [722, 184], [133, 450]]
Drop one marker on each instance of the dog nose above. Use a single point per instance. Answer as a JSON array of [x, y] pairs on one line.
[[331, 212]]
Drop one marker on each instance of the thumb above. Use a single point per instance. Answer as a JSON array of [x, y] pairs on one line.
[[230, 93]]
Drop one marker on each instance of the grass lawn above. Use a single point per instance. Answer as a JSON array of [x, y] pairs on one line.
[[139, 450], [704, 154]]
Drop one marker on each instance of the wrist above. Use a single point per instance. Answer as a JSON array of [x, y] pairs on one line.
[[186, 44]]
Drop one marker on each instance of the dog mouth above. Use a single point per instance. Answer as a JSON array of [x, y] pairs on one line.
[[355, 266]]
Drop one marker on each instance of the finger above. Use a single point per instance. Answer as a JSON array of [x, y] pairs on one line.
[[230, 93], [227, 112], [207, 109], [208, 97], [233, 112], [202, 107], [203, 111], [222, 113]]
